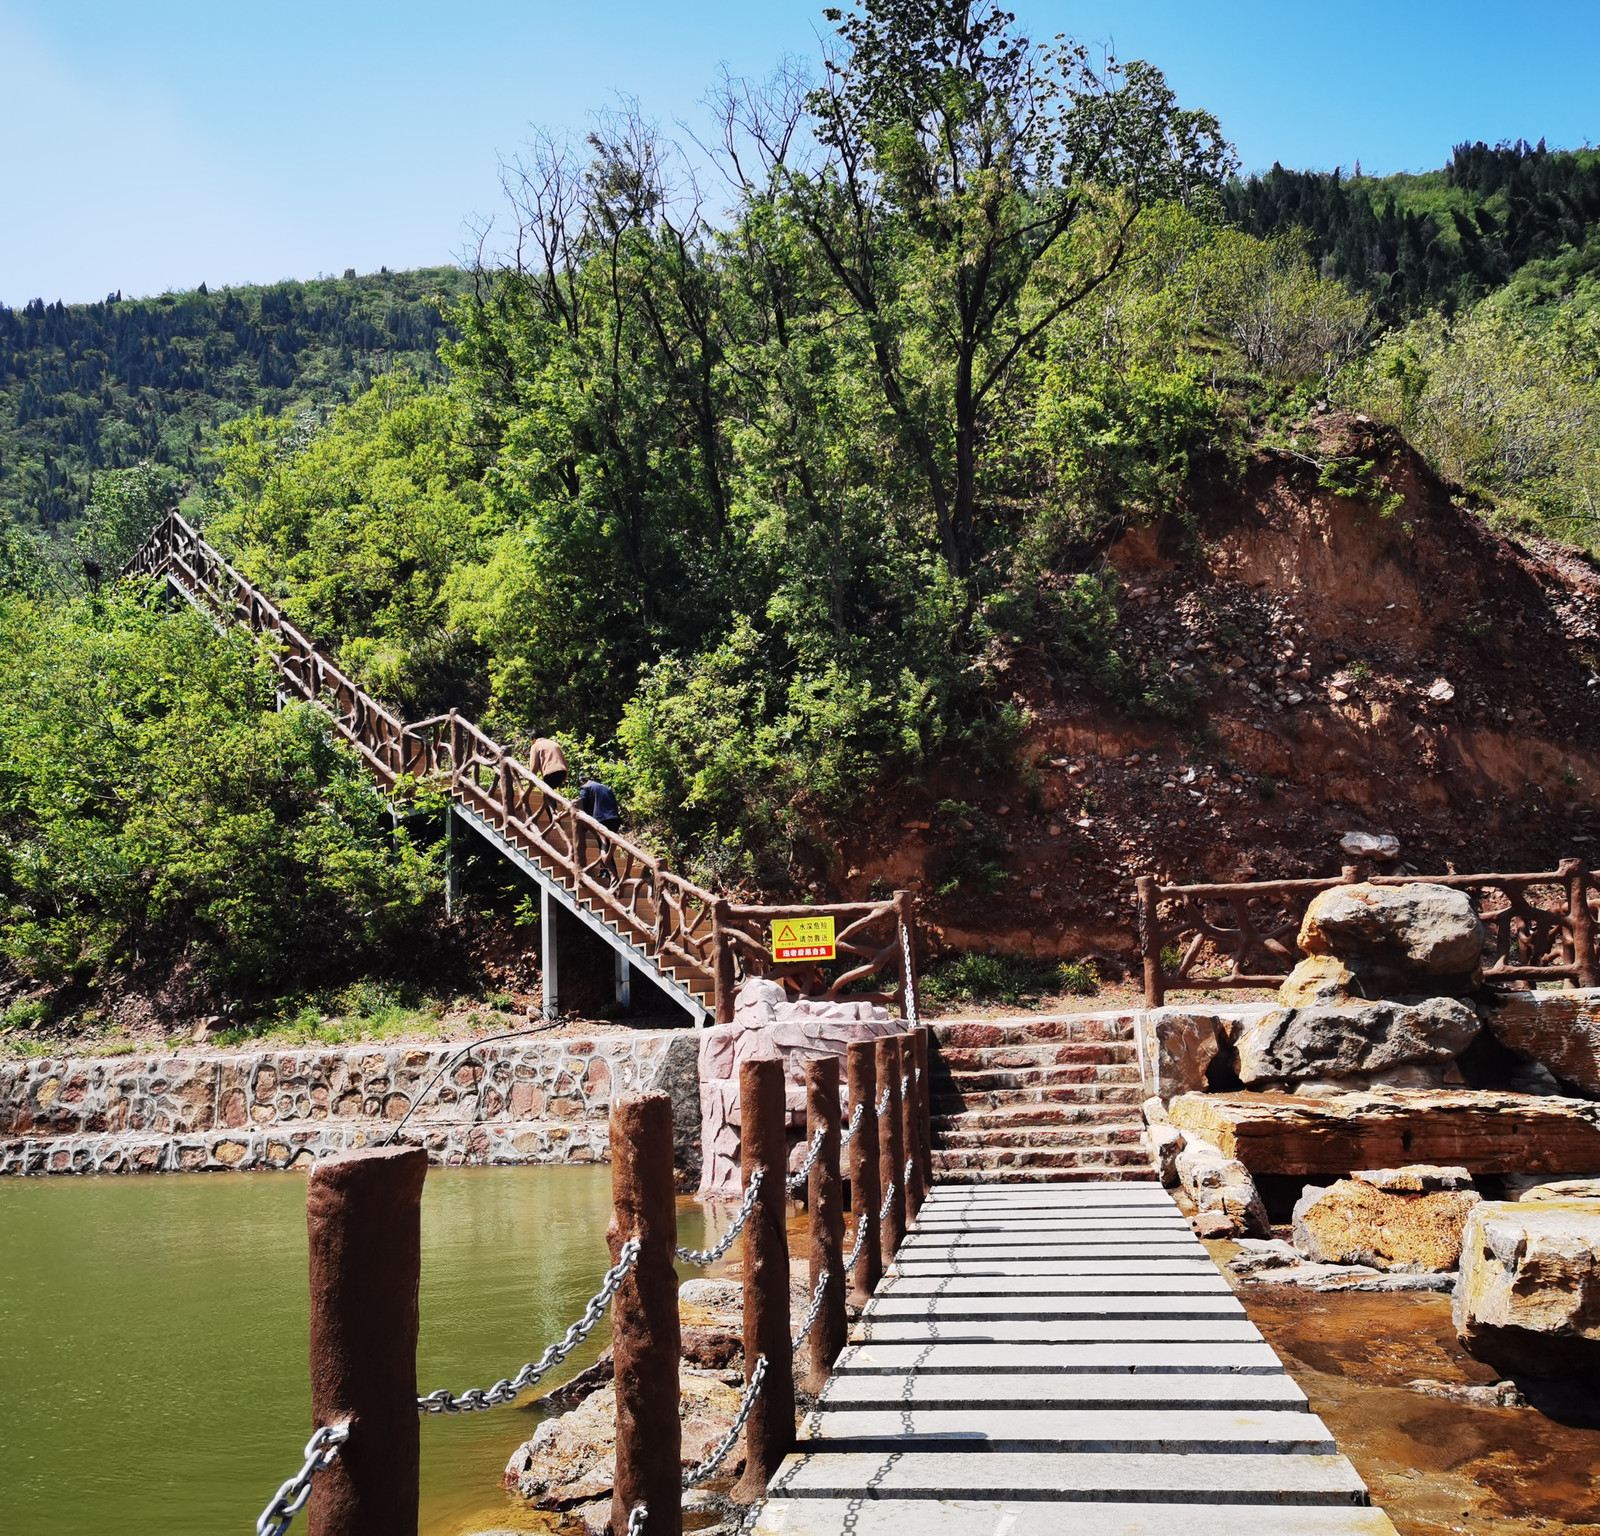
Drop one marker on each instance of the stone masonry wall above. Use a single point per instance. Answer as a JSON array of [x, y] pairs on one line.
[[516, 1101]]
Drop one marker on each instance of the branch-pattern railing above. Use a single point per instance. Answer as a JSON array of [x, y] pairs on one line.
[[1540, 926], [707, 943]]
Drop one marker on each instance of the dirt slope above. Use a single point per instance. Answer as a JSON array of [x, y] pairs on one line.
[[1386, 665]]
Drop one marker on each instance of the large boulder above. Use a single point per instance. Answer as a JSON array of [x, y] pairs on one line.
[[1224, 1194], [1563, 1189], [1408, 1219], [1398, 940], [1558, 1030], [1528, 1297], [1357, 1044]]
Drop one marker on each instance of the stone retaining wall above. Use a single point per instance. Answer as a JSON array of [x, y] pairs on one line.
[[516, 1101]]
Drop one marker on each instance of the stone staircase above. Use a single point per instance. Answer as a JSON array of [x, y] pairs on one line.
[[1031, 1100]]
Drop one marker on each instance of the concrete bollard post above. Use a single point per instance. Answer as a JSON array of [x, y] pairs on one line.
[[364, 1226], [769, 1431], [865, 1192], [891, 1150], [644, 1317], [825, 1201], [911, 1168], [923, 1042]]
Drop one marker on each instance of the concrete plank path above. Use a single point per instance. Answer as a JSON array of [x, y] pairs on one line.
[[1061, 1357]]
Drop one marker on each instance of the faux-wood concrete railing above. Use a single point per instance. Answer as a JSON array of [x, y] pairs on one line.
[[704, 942]]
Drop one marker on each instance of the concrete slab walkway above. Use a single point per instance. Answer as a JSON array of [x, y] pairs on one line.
[[1061, 1358]]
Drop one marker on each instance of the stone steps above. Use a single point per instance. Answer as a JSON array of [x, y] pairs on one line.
[[1112, 1133], [1055, 1053], [944, 1102], [1061, 1358], [998, 1155], [1019, 1116], [990, 1079], [1088, 1173], [965, 1034]]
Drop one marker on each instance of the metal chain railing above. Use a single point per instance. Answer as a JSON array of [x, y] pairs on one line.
[[636, 1518], [479, 1399], [853, 1127], [910, 976], [862, 1227], [905, 1086], [712, 1254], [883, 1103], [322, 1450], [702, 1470], [797, 1182], [888, 1200], [818, 1292], [906, 1174]]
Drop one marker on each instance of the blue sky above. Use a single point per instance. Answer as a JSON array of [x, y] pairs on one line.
[[158, 145]]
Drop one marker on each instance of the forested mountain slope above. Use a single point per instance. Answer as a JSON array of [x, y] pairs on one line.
[[87, 387]]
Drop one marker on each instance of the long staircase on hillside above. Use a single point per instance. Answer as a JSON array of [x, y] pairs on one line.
[[1037, 1100], [694, 944]]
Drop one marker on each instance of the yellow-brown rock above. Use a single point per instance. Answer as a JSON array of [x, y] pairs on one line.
[[1352, 1222], [1317, 979], [1528, 1297]]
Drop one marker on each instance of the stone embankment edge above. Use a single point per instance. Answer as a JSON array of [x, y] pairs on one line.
[[513, 1102]]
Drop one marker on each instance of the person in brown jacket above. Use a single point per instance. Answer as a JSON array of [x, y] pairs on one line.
[[547, 760]]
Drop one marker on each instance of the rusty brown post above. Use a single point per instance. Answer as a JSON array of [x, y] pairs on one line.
[[911, 1166], [865, 1193], [722, 963], [922, 1046], [364, 1225], [769, 1431], [1580, 923], [891, 1150], [825, 1201], [644, 1316], [1155, 991]]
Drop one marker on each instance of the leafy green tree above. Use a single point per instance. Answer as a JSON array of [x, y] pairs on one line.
[[156, 810], [124, 506]]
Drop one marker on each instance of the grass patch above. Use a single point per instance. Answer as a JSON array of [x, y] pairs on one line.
[[1011, 980]]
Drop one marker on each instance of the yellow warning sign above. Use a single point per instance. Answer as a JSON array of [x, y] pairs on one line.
[[802, 938]]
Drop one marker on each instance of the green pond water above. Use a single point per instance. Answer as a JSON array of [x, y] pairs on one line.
[[153, 1376]]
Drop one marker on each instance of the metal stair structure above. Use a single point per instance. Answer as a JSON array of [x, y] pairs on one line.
[[696, 945]]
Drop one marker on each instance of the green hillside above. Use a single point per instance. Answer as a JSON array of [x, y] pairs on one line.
[[86, 387]]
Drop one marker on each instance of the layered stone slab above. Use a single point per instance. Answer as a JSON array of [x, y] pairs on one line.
[[1188, 1431], [1480, 1130], [1000, 1359], [1085, 1390], [1034, 1364], [1046, 1331], [1051, 1517], [1281, 1481]]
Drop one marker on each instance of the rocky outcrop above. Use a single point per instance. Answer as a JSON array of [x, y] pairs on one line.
[[1558, 1030], [1477, 1129], [766, 1024], [1407, 1219], [1564, 1189], [1528, 1297], [1357, 1043], [1225, 1196], [1398, 940]]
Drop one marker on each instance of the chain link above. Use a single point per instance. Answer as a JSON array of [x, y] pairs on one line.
[[910, 974], [906, 1175], [700, 1472], [812, 1312], [905, 1086], [322, 1450], [479, 1399], [883, 1103], [888, 1200], [803, 1172], [862, 1227], [853, 1127], [636, 1519], [716, 1251]]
